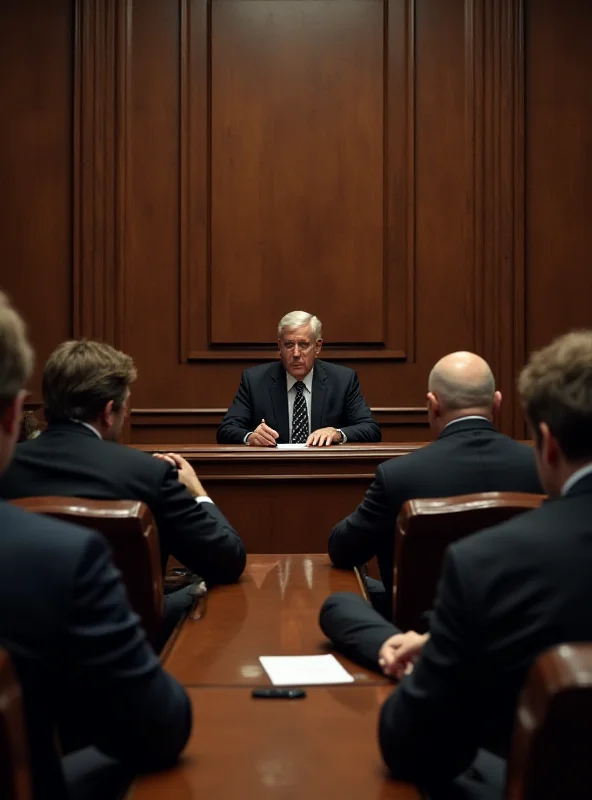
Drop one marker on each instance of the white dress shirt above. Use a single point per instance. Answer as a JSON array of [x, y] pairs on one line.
[[575, 477], [291, 382]]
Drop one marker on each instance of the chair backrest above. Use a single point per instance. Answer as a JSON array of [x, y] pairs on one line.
[[15, 776], [426, 527], [130, 529], [550, 753]]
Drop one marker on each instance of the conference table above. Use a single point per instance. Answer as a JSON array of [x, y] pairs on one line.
[[320, 747], [286, 501]]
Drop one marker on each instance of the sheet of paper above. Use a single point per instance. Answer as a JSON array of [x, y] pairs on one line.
[[291, 446], [304, 670]]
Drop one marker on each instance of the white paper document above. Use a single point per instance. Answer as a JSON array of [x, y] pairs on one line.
[[291, 446], [304, 670]]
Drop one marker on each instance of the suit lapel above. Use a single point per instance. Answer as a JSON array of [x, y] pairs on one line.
[[319, 391], [279, 400]]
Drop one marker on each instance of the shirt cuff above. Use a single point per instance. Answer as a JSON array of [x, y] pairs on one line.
[[203, 500], [247, 436], [343, 436]]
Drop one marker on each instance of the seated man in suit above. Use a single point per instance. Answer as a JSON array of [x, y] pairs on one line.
[[299, 399], [78, 648], [506, 594], [86, 389], [468, 455]]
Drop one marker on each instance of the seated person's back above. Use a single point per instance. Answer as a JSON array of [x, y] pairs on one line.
[[468, 455], [82, 657], [86, 391], [506, 594]]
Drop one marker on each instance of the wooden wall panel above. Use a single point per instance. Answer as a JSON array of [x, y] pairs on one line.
[[296, 167], [179, 174], [36, 167], [558, 169]]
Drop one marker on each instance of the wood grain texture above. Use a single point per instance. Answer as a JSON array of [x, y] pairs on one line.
[[179, 175], [36, 168], [293, 750]]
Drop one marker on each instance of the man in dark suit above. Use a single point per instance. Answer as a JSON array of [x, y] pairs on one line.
[[506, 594], [86, 388], [468, 455], [78, 648], [298, 399]]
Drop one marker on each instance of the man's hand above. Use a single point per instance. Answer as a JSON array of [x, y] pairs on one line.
[[186, 473], [400, 652], [262, 436], [323, 436]]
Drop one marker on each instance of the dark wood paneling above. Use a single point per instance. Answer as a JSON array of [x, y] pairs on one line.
[[36, 89], [178, 175], [295, 202], [558, 168]]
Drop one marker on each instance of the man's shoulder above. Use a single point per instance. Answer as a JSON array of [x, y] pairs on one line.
[[35, 536], [509, 544], [335, 370], [261, 372]]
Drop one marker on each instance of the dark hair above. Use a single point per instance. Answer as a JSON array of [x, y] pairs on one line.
[[16, 354], [81, 377], [556, 388]]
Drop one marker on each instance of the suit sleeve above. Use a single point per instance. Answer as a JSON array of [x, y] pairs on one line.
[[121, 699], [361, 426], [428, 727], [198, 534], [359, 537], [238, 420]]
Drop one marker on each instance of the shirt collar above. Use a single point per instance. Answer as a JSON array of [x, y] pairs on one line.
[[463, 419], [575, 477], [307, 380], [87, 425]]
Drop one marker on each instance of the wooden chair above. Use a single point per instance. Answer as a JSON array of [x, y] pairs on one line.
[[15, 776], [550, 753], [426, 527], [129, 527]]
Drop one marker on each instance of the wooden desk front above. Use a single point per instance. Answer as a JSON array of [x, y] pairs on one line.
[[273, 610], [286, 501], [321, 747]]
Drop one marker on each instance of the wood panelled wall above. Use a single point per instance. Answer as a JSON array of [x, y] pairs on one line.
[[177, 174]]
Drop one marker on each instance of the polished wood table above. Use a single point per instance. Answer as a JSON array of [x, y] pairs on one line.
[[286, 501], [273, 610], [321, 747]]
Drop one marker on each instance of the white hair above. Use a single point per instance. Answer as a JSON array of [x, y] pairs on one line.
[[297, 319]]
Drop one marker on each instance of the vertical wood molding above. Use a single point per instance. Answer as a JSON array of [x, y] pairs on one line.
[[101, 69], [495, 125]]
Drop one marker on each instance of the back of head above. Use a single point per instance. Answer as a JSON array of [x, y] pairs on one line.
[[556, 389], [16, 354], [300, 319], [463, 384], [16, 364], [81, 377]]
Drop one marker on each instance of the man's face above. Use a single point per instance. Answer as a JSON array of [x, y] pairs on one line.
[[298, 351]]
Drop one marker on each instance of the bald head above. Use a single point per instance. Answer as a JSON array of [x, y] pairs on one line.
[[463, 382]]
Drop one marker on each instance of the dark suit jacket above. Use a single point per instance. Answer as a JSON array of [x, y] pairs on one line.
[[506, 594], [468, 456], [67, 459], [82, 657], [336, 401]]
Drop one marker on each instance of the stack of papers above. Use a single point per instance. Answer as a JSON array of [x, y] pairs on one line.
[[304, 670]]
